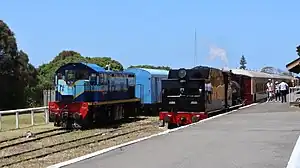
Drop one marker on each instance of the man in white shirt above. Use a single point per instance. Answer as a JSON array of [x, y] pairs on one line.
[[283, 87]]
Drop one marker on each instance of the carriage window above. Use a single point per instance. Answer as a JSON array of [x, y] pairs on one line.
[[131, 80], [59, 76], [70, 75], [103, 79], [82, 74], [260, 87]]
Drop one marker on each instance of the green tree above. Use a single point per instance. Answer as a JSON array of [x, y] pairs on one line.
[[287, 73], [269, 70], [103, 61], [150, 67], [46, 71], [15, 71], [243, 62], [298, 50]]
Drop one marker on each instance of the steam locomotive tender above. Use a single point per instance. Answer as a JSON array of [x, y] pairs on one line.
[[190, 95]]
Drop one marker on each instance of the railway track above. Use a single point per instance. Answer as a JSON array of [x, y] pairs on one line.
[[37, 133], [44, 151], [9, 144], [41, 135]]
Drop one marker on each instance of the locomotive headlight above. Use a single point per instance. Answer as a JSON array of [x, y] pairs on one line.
[[181, 73]]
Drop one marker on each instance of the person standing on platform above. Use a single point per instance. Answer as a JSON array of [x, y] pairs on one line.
[[277, 91], [270, 90], [283, 90], [208, 90]]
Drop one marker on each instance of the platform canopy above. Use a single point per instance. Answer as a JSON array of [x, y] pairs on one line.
[[294, 66]]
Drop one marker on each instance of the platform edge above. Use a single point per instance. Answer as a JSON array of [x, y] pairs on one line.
[[84, 157], [294, 161]]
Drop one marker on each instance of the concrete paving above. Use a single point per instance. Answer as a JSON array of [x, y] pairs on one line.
[[262, 136]]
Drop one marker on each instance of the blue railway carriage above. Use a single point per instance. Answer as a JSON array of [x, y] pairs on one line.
[[86, 93], [148, 88]]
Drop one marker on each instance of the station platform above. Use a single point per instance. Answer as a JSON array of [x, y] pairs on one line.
[[261, 136]]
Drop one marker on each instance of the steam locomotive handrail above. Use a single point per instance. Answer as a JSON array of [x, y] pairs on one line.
[[32, 110], [190, 79]]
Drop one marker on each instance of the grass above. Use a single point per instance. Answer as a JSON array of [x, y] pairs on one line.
[[8, 125], [9, 122]]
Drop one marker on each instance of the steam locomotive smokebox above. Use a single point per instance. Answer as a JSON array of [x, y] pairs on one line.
[[181, 95]]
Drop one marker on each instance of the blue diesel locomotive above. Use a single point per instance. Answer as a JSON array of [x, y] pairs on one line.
[[87, 93]]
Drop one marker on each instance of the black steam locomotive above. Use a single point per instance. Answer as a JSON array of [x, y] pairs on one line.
[[190, 95]]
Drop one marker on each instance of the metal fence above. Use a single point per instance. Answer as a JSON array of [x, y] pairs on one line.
[[31, 110], [48, 95], [294, 95]]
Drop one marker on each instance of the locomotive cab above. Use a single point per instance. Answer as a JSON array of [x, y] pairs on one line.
[[69, 81]]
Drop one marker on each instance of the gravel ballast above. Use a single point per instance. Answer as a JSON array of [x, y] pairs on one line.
[[138, 129]]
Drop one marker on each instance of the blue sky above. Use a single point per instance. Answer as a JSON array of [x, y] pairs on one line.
[[158, 32]]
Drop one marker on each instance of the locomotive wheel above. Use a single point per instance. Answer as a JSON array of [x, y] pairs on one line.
[[67, 124]]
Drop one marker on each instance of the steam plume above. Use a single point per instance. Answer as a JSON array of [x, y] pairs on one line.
[[215, 52]]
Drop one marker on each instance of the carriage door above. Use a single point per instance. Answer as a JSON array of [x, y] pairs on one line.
[[92, 89], [159, 90], [155, 92], [140, 92]]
